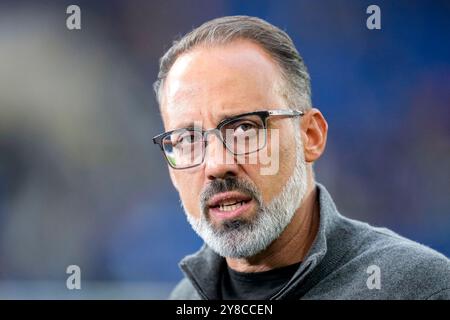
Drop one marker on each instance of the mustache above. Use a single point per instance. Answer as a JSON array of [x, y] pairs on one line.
[[228, 184]]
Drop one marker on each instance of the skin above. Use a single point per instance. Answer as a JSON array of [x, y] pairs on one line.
[[208, 84]]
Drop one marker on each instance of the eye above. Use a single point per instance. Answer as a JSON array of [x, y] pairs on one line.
[[245, 128]]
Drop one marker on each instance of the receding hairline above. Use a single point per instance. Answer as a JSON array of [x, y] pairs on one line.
[[231, 42], [278, 87], [270, 38]]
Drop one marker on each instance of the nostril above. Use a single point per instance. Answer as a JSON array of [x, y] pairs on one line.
[[229, 174], [221, 175]]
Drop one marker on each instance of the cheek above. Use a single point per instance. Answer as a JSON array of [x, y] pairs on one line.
[[271, 185], [288, 154], [189, 192]]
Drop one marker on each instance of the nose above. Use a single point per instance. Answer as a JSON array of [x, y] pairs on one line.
[[219, 161]]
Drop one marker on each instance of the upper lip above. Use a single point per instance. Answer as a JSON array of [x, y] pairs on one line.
[[226, 196]]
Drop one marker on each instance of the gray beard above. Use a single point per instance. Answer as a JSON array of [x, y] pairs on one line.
[[240, 238]]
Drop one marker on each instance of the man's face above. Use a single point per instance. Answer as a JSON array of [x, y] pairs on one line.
[[207, 85]]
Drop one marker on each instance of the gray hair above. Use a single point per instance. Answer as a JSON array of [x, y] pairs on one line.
[[276, 42]]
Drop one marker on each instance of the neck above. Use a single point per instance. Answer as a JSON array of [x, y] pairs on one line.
[[292, 245]]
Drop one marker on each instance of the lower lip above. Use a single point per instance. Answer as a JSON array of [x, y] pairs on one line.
[[231, 214]]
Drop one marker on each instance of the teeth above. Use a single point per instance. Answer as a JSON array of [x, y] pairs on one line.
[[229, 202], [230, 207]]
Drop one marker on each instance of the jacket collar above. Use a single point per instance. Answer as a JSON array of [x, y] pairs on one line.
[[204, 267]]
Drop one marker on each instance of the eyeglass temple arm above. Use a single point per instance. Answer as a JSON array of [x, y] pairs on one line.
[[293, 113]]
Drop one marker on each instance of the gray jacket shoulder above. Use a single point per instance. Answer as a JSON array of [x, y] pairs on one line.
[[422, 272], [405, 269], [184, 290]]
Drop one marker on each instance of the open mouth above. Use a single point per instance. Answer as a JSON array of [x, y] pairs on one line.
[[229, 205]]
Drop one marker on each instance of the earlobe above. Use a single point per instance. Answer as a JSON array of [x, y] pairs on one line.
[[315, 129]]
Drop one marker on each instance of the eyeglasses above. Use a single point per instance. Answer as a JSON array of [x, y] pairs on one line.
[[241, 135]]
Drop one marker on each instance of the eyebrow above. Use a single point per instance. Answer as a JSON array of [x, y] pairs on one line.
[[222, 118], [185, 125]]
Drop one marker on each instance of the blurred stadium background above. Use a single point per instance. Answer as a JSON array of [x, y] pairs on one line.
[[81, 182]]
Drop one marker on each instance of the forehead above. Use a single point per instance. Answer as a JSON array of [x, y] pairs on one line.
[[208, 83]]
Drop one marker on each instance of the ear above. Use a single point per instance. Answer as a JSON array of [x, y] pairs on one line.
[[314, 132]]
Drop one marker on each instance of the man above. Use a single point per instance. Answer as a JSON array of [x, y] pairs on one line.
[[234, 93]]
